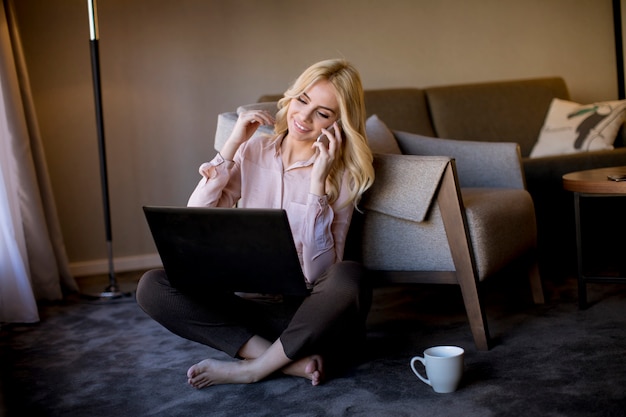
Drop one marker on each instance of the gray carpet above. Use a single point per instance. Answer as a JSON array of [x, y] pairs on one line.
[[93, 358]]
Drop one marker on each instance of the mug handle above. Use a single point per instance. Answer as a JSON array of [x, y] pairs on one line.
[[415, 359]]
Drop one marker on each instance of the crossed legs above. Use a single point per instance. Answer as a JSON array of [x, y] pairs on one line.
[[333, 316]]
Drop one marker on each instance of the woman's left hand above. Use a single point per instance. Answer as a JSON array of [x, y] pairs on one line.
[[326, 155]]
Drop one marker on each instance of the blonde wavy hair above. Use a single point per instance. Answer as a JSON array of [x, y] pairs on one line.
[[355, 155]]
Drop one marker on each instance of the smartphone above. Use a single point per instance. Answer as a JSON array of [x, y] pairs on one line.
[[322, 137]]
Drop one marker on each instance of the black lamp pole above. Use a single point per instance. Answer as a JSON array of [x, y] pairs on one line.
[[112, 290], [619, 49]]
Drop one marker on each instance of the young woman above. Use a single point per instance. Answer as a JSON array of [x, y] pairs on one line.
[[319, 184]]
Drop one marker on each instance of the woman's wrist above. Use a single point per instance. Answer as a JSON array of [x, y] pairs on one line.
[[229, 149], [317, 188]]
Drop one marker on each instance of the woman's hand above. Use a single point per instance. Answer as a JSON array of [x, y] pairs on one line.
[[326, 156], [247, 123]]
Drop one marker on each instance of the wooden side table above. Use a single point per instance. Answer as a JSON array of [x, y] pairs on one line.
[[592, 183]]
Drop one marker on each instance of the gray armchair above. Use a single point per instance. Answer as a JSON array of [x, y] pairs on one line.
[[420, 226]]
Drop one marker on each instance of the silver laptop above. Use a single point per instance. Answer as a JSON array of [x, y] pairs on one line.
[[227, 249]]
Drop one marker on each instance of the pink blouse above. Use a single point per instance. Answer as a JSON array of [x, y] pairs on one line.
[[257, 179]]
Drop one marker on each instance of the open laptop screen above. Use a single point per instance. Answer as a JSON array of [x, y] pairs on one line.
[[228, 249]]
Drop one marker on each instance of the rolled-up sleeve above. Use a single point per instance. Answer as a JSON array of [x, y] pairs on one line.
[[325, 231], [219, 185]]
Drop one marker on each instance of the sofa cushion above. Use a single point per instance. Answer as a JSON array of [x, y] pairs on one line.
[[571, 127], [402, 109], [501, 111], [379, 137]]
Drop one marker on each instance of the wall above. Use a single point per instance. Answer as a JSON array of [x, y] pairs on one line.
[[169, 67]]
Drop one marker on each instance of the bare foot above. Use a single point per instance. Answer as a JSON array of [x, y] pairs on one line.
[[310, 367], [214, 372]]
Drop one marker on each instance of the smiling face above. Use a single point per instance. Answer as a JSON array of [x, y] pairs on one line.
[[316, 108]]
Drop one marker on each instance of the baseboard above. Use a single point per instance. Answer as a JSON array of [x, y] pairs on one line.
[[121, 264]]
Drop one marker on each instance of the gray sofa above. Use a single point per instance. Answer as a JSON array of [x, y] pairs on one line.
[[502, 111]]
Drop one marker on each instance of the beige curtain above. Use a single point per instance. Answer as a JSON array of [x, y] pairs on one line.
[[33, 261]]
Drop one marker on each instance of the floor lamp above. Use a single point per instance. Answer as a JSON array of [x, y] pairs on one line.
[[112, 290], [619, 48]]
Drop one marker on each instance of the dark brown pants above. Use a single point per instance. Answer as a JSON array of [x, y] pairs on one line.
[[330, 322]]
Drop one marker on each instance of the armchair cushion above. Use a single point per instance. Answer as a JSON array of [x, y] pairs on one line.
[[501, 225]]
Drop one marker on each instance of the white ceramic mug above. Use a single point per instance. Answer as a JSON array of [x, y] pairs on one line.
[[444, 367]]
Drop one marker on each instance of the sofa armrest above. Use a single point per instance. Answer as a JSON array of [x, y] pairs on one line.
[[544, 176], [552, 168], [479, 164], [226, 124]]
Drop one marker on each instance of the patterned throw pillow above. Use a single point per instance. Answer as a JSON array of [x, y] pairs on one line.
[[572, 127]]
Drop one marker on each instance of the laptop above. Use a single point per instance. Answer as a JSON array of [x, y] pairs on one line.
[[227, 249]]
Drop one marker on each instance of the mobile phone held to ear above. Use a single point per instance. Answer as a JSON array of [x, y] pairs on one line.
[[323, 138]]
